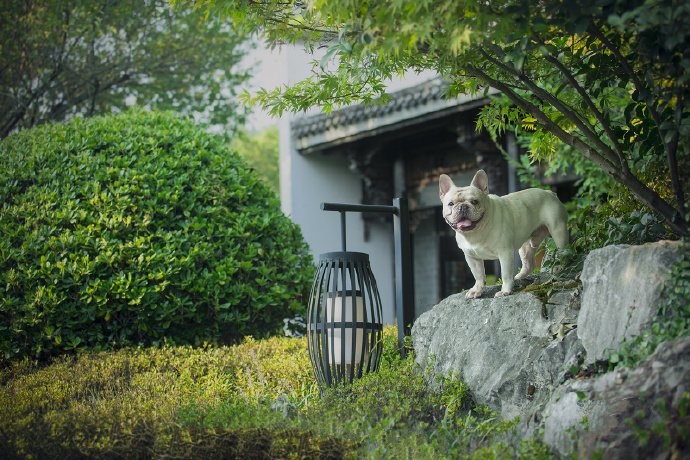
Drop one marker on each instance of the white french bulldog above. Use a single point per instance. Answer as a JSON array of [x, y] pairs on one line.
[[490, 227]]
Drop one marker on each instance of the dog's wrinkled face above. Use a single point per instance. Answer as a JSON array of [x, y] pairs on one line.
[[464, 207]]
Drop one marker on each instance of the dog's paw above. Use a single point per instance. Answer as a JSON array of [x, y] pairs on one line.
[[474, 293], [501, 294], [522, 274]]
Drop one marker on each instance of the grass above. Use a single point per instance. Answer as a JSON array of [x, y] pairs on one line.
[[257, 399]]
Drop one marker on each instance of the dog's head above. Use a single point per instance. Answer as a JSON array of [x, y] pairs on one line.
[[464, 207]]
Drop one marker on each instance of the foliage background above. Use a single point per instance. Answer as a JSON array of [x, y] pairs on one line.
[[64, 58], [260, 150], [138, 229], [610, 79]]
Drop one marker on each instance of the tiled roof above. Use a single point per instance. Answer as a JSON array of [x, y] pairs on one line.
[[406, 99]]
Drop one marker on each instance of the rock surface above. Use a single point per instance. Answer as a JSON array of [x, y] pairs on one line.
[[626, 414], [621, 293], [507, 348], [515, 353]]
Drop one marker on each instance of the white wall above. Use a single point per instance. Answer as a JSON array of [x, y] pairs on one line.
[[308, 181]]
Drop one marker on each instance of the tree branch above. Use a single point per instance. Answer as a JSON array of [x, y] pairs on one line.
[[545, 121], [672, 160], [644, 193], [58, 111], [586, 129], [628, 69], [670, 147], [592, 106]]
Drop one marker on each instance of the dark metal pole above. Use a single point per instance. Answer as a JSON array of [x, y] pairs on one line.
[[358, 208], [343, 230], [404, 300], [404, 280]]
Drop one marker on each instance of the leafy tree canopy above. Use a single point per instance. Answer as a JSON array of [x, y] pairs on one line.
[[607, 78], [67, 57], [260, 150]]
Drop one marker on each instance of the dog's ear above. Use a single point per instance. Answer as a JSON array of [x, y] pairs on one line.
[[481, 181], [445, 183]]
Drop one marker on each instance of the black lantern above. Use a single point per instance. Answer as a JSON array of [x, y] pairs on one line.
[[344, 322]]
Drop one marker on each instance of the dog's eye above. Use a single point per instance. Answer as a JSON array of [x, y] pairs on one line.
[[451, 204], [474, 202]]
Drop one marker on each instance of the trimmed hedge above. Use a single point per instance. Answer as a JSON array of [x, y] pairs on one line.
[[139, 229]]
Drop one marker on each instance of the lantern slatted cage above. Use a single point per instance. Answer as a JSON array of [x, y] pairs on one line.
[[344, 322]]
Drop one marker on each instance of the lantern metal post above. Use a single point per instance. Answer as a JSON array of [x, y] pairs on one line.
[[404, 284], [404, 280], [345, 320]]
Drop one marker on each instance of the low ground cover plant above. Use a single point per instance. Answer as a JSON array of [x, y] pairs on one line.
[[139, 228], [257, 399]]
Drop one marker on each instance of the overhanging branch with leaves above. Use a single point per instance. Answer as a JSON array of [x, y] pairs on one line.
[[609, 79]]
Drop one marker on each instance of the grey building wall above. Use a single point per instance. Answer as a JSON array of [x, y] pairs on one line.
[[426, 266], [308, 180], [312, 180]]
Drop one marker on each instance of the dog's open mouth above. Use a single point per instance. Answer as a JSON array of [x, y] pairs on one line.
[[466, 224]]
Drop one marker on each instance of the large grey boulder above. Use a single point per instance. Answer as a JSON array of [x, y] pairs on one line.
[[627, 414], [566, 415], [621, 293], [515, 353], [509, 350]]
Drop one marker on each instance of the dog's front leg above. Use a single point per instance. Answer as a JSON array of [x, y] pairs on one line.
[[477, 269], [507, 260]]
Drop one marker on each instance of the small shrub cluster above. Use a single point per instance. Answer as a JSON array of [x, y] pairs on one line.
[[131, 403], [593, 225], [663, 427], [257, 399], [261, 150], [139, 229], [602, 212]]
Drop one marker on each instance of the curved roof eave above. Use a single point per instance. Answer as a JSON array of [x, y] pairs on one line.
[[407, 107]]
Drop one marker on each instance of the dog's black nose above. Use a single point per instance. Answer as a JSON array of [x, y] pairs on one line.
[[464, 209]]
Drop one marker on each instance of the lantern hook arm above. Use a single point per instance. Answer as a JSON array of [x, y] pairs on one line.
[[404, 296], [344, 208]]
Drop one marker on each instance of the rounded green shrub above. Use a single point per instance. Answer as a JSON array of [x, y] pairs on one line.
[[139, 228]]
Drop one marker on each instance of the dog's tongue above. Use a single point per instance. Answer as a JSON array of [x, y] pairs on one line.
[[464, 223]]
